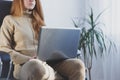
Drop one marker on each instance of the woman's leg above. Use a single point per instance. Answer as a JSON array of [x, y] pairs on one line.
[[74, 69], [36, 70]]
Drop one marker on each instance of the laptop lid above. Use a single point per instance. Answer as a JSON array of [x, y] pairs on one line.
[[58, 43]]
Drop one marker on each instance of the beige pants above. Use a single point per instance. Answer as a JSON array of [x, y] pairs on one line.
[[35, 69]]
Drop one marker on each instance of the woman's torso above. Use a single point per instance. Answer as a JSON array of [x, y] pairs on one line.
[[24, 35]]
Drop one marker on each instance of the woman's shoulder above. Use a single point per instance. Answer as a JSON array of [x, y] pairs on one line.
[[8, 17], [14, 18], [8, 20]]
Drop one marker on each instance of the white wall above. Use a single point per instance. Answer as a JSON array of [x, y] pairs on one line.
[[59, 13], [107, 67]]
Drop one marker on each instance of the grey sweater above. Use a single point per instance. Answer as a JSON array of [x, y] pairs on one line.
[[17, 38]]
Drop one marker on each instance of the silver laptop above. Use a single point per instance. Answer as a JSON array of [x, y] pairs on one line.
[[58, 43]]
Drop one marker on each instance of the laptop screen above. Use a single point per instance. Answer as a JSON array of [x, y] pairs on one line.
[[58, 43]]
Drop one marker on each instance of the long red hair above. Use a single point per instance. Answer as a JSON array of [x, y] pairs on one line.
[[17, 9]]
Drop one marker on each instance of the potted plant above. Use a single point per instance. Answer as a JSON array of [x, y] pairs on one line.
[[93, 41]]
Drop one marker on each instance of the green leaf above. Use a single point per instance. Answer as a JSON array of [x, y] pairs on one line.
[[99, 15], [75, 23], [92, 35]]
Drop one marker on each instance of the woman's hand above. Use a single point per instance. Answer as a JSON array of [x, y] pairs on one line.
[[34, 57]]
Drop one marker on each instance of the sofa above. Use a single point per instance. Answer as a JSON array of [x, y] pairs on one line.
[[5, 10]]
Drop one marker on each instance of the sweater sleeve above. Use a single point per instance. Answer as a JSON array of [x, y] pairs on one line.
[[6, 40]]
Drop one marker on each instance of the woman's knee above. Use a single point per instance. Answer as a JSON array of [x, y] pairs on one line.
[[79, 68], [32, 69], [79, 64], [34, 65]]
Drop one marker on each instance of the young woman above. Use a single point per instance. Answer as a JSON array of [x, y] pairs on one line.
[[19, 38]]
